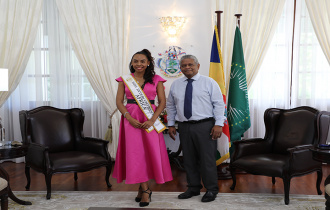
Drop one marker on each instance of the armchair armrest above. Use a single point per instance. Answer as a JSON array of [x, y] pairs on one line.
[[94, 145], [250, 147], [301, 159], [300, 147], [37, 155]]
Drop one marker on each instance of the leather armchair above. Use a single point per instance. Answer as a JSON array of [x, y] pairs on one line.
[[56, 144], [284, 152], [323, 128]]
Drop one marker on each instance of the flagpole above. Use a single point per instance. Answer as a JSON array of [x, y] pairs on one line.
[[238, 16], [222, 169], [219, 24]]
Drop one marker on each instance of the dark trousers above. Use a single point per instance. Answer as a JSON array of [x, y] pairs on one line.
[[199, 155]]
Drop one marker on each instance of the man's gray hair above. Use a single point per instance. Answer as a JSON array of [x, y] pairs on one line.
[[189, 57]]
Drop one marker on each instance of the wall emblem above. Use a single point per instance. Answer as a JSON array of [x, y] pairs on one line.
[[169, 61]]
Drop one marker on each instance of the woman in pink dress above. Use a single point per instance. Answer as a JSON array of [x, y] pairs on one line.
[[141, 156]]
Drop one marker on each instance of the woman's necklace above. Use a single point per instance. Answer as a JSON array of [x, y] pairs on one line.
[[137, 80]]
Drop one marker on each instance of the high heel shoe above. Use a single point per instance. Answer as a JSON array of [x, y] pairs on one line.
[[137, 199], [143, 204]]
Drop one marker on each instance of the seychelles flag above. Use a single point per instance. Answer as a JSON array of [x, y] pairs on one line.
[[216, 72]]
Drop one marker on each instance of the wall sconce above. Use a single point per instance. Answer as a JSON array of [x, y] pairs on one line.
[[3, 79], [172, 25]]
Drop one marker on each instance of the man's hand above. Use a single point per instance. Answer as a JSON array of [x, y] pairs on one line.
[[172, 132], [216, 132]]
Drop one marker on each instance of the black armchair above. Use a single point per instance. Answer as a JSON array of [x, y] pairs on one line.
[[56, 144], [323, 126], [284, 151]]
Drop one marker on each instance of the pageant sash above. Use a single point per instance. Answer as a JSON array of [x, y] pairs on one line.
[[143, 102]]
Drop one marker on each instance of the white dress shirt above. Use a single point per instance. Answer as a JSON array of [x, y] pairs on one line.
[[207, 100]]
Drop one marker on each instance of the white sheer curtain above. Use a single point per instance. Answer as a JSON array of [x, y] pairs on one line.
[[311, 70], [260, 19], [320, 17], [54, 77], [280, 85], [271, 87], [258, 24], [258, 28], [19, 23], [98, 31]]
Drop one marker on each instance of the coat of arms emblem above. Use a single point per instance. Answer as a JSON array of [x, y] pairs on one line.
[[169, 61]]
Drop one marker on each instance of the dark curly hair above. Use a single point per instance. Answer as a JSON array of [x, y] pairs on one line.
[[150, 70]]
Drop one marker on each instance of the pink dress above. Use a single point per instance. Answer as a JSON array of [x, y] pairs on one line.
[[141, 156]]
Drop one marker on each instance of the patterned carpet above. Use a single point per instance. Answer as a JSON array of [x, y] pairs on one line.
[[163, 200]]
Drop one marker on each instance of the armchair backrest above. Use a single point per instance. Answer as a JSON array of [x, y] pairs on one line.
[[58, 129], [323, 127], [294, 127]]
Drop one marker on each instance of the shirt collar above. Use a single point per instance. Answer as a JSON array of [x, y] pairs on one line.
[[196, 77]]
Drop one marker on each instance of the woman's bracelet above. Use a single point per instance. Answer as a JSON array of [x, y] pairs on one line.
[[125, 114]]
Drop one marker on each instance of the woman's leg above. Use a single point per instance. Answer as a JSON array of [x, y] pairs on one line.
[[145, 196], [139, 195]]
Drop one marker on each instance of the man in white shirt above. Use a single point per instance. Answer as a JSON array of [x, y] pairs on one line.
[[199, 111]]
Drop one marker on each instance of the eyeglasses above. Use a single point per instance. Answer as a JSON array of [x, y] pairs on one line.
[[187, 65]]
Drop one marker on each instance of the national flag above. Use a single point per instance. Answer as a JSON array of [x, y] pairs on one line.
[[216, 72], [238, 101]]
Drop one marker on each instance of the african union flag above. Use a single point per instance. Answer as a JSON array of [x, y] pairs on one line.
[[238, 101], [216, 72]]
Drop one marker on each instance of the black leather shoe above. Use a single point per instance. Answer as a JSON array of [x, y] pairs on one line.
[[188, 194], [209, 196]]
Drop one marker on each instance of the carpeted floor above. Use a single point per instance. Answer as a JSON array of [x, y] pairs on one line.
[[163, 200]]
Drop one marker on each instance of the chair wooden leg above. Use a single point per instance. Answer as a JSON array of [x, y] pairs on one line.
[[233, 176], [286, 182], [4, 202], [327, 204], [107, 175], [75, 176], [318, 181], [48, 178], [28, 177], [273, 180], [326, 196]]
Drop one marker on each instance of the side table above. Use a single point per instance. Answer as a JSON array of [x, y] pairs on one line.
[[10, 152], [323, 155]]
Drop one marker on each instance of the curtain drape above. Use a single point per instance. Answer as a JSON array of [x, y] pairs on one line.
[[311, 69], [258, 23], [19, 21], [98, 30], [272, 86], [290, 77], [320, 17], [53, 77]]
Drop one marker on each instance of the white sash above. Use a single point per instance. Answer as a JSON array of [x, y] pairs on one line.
[[143, 102]]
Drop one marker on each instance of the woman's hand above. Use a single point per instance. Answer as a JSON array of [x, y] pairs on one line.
[[147, 124], [135, 123]]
